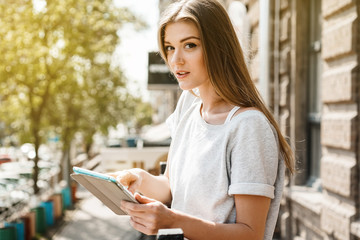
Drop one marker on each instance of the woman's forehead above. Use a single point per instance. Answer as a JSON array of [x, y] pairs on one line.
[[181, 29]]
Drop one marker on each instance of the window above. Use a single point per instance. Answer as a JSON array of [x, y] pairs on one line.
[[314, 99]]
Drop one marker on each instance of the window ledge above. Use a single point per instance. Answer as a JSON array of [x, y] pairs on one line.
[[306, 197], [355, 228]]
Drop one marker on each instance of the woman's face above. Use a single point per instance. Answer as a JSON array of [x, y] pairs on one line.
[[185, 55]]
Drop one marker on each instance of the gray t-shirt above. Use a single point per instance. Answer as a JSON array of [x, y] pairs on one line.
[[208, 164]]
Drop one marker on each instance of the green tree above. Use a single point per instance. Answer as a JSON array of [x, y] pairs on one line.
[[142, 113], [54, 56]]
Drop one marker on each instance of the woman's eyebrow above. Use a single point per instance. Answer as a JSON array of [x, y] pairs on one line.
[[185, 39]]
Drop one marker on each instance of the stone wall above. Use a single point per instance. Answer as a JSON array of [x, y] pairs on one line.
[[332, 212], [340, 124]]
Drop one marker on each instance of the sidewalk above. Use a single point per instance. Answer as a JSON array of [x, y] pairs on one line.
[[93, 220]]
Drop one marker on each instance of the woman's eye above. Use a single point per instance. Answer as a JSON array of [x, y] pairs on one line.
[[190, 45], [168, 48]]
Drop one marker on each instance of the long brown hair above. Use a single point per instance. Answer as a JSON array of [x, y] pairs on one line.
[[223, 57]]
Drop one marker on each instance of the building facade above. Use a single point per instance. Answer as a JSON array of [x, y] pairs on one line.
[[304, 57], [311, 82]]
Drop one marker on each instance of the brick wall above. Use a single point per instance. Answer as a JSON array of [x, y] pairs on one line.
[[339, 132], [333, 212], [284, 66]]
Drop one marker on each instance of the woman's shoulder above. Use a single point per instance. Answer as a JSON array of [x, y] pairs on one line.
[[249, 114], [252, 126], [251, 118]]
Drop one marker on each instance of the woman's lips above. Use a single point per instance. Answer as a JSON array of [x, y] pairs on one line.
[[182, 74]]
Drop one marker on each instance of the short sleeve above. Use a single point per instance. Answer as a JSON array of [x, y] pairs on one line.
[[184, 102], [254, 156]]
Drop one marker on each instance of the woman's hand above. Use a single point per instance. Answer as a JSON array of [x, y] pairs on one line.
[[138, 180], [129, 178], [149, 216]]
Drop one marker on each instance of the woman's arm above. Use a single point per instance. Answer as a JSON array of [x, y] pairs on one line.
[[150, 216], [138, 180], [156, 187]]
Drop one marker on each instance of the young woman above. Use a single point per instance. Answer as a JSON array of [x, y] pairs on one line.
[[225, 171]]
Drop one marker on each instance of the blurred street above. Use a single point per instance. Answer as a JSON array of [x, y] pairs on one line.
[[92, 220], [69, 213]]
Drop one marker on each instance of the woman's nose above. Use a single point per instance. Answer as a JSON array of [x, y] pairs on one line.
[[177, 58]]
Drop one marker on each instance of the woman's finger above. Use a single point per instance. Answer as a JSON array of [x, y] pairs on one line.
[[132, 188], [126, 177], [141, 227], [142, 199], [139, 220], [134, 207], [113, 174]]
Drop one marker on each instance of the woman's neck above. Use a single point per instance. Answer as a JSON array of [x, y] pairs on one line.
[[214, 109]]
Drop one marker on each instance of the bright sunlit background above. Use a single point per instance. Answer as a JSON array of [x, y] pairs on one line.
[[71, 71], [135, 45]]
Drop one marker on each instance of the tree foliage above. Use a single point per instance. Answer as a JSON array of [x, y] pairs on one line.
[[56, 72]]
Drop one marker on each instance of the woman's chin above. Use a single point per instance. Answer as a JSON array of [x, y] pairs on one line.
[[183, 86]]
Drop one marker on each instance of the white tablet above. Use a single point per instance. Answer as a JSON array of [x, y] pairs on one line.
[[104, 187]]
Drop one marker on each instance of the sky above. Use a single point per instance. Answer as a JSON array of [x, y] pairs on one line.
[[135, 45]]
